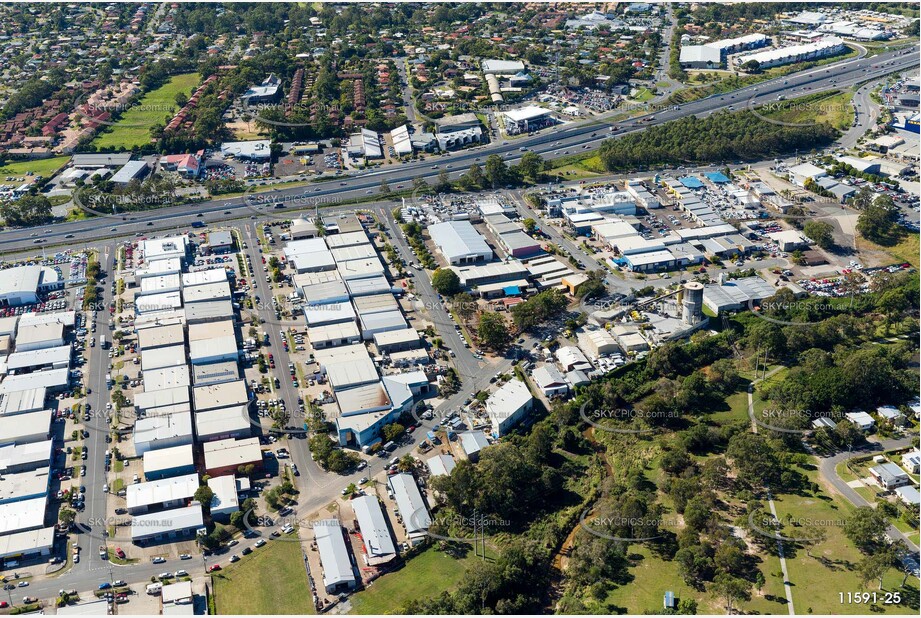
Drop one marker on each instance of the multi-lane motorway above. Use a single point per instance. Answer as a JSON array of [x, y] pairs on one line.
[[565, 140]]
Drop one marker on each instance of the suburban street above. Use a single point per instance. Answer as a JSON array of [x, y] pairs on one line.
[[828, 465]]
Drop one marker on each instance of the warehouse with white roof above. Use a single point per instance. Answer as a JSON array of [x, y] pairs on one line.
[[379, 547], [415, 513], [161, 494], [508, 406], [338, 572], [459, 242]]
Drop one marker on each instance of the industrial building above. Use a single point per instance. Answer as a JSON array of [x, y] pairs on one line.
[[22, 285], [226, 500], [222, 395], [22, 516], [338, 571], [379, 547], [736, 294], [227, 456], [473, 442], [27, 544], [168, 462], [508, 406], [459, 243], [440, 465], [162, 494], [223, 423], [550, 381], [414, 512], [168, 526], [526, 119], [162, 432], [823, 48]]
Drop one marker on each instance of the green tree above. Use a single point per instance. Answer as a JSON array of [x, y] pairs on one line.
[[732, 589], [392, 431], [529, 225], [496, 171], [531, 166], [493, 331], [446, 282], [820, 232], [475, 175], [27, 211], [865, 528]]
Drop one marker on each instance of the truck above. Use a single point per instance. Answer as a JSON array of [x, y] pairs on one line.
[[102, 342], [154, 588]]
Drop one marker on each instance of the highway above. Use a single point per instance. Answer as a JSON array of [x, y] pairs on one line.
[[567, 139]]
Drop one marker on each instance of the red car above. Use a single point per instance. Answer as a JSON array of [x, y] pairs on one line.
[[120, 553], [214, 567]]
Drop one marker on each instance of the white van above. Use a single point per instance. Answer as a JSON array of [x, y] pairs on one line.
[[154, 588]]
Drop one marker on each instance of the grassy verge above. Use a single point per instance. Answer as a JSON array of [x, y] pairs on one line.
[[271, 580], [833, 108], [831, 569]]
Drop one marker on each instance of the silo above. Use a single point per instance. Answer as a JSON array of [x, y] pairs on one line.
[[692, 302]]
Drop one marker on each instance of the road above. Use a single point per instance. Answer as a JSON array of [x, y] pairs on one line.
[[567, 139], [827, 469]]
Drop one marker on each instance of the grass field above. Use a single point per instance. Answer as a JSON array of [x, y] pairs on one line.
[[133, 128], [271, 580], [907, 250], [817, 580], [39, 167], [425, 575], [832, 108]]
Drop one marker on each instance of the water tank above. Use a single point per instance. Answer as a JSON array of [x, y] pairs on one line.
[[692, 302]]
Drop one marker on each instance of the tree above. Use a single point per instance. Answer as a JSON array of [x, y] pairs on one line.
[[531, 166], [732, 589], [204, 495], [529, 225], [493, 331], [446, 282], [443, 185], [27, 211], [66, 517], [875, 566], [752, 66], [496, 171], [475, 175], [392, 431], [865, 528], [820, 232], [385, 188], [878, 221], [464, 305]]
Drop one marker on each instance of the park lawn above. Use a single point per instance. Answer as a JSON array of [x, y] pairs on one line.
[[738, 409], [39, 167], [271, 580], [816, 583], [133, 128], [426, 575]]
